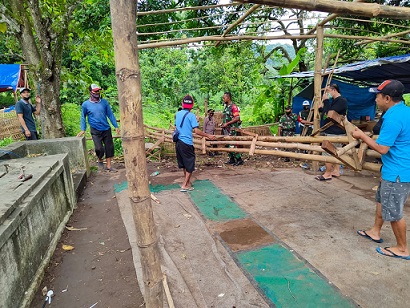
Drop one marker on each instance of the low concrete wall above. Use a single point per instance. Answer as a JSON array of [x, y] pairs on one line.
[[40, 209], [73, 146]]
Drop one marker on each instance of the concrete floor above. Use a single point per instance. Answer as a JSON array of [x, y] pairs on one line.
[[316, 221]]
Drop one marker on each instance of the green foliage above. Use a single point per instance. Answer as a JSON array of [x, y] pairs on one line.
[[118, 151], [71, 118], [6, 141], [6, 99]]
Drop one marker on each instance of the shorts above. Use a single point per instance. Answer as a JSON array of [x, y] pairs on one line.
[[337, 145], [392, 196], [185, 156]]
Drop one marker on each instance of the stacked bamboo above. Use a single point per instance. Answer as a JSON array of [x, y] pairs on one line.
[[10, 126], [270, 145]]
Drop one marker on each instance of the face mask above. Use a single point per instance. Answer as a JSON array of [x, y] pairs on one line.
[[306, 107], [329, 95], [288, 112], [95, 96]]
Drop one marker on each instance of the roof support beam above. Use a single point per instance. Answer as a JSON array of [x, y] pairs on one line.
[[340, 7], [250, 11], [257, 38]]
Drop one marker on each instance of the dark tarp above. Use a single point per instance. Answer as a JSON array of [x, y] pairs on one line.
[[360, 101], [9, 77], [371, 72]]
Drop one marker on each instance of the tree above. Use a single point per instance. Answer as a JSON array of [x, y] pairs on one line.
[[41, 27], [128, 74]]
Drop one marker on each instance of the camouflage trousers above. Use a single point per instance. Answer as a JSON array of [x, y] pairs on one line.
[[232, 155]]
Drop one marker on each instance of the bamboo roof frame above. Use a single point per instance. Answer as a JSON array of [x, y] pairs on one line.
[[326, 5]]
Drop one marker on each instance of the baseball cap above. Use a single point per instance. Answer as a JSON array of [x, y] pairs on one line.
[[93, 87], [187, 102], [288, 107], [393, 88], [305, 103], [24, 89]]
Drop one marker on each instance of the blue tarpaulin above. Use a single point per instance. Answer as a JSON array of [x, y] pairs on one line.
[[9, 77], [360, 101]]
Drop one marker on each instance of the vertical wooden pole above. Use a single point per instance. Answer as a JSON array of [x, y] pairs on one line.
[[123, 16], [317, 83]]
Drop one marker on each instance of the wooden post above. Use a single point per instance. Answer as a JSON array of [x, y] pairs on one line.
[[123, 16], [318, 84], [203, 140], [253, 146]]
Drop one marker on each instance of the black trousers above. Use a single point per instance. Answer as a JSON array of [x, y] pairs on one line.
[[103, 143]]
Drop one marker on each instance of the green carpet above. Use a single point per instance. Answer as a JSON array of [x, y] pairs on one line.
[[213, 204], [287, 281]]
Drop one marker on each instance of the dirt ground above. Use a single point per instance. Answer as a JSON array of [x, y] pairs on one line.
[[99, 271]]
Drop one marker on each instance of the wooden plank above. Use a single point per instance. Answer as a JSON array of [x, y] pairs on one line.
[[331, 149]]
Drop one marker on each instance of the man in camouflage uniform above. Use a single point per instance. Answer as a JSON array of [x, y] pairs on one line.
[[287, 123], [231, 120]]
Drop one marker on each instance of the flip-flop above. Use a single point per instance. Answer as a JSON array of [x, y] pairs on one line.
[[365, 235], [322, 178], [186, 189], [393, 255]]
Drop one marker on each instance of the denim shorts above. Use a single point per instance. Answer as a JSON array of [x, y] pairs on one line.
[[392, 196]]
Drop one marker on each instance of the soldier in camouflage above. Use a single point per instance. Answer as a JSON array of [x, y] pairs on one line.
[[287, 123], [231, 120]]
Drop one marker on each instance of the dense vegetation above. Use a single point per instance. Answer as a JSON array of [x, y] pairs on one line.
[[205, 71]]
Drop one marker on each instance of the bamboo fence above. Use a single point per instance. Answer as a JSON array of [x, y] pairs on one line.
[[273, 145]]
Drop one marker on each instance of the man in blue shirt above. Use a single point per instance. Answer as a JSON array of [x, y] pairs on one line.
[[98, 110], [186, 122], [394, 145], [25, 110]]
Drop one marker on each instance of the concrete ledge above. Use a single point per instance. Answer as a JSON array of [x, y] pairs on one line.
[[73, 146], [29, 235]]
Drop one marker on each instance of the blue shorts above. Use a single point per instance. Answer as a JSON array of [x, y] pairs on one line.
[[392, 196]]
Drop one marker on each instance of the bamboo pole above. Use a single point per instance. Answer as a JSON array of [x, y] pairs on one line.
[[123, 16], [340, 7], [242, 18], [312, 157], [188, 8], [307, 139]]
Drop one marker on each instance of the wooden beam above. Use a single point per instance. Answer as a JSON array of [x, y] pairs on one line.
[[188, 8], [331, 149], [218, 38], [242, 18], [386, 36], [340, 7]]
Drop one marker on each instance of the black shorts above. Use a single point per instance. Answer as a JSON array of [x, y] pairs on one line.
[[185, 156]]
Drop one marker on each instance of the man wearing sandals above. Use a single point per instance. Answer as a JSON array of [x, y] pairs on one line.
[[97, 110], [394, 145], [186, 122]]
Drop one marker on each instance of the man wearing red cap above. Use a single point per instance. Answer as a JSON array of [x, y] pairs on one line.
[[394, 145], [98, 110], [186, 122]]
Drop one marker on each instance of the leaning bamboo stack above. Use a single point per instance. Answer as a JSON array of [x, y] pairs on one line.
[[275, 145], [10, 126]]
